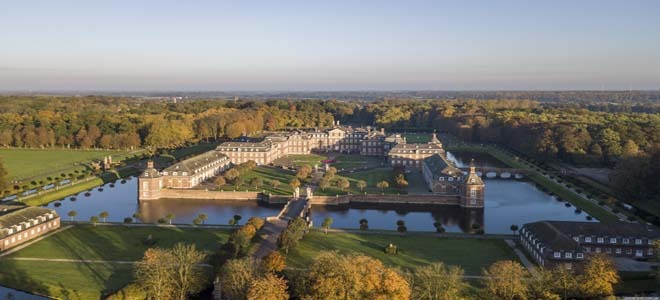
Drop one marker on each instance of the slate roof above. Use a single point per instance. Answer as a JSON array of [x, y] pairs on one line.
[[551, 237], [191, 164], [438, 165], [11, 215]]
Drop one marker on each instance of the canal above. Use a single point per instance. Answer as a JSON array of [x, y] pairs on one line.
[[507, 202]]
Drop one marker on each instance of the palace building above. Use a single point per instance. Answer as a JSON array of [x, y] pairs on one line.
[[19, 224], [442, 177], [569, 243]]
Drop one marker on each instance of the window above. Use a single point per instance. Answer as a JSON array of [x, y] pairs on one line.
[[649, 251], [588, 249], [473, 193], [612, 240], [587, 239], [600, 240], [597, 249], [617, 250], [557, 255], [568, 255], [576, 238], [638, 241], [626, 241], [579, 255], [639, 253]]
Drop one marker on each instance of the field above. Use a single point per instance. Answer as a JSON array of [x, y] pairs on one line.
[[417, 137], [88, 280], [356, 161], [267, 175], [29, 163], [471, 254], [300, 160], [371, 177]]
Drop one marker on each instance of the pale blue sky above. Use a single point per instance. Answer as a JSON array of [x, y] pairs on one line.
[[329, 45]]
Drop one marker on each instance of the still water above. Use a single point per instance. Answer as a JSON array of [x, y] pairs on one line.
[[8, 293], [508, 202]]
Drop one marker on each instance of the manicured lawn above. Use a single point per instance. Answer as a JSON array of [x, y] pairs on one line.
[[267, 175], [77, 280], [28, 163], [417, 137], [471, 254], [64, 280], [371, 177], [356, 161], [118, 242], [300, 160]]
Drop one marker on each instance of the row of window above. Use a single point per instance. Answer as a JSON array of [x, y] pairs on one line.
[[25, 235], [29, 223], [613, 240], [568, 255]]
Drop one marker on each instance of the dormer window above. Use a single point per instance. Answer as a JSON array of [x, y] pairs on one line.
[[600, 240], [174, 173], [568, 255], [626, 241], [442, 179], [557, 254], [587, 239], [638, 241], [185, 173], [612, 240]]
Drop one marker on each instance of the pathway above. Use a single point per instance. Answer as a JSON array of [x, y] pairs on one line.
[[12, 250], [523, 259], [93, 261], [270, 233]]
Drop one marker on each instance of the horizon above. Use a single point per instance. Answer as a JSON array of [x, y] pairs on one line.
[[339, 46]]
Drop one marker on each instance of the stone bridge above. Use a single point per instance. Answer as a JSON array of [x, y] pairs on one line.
[[506, 173]]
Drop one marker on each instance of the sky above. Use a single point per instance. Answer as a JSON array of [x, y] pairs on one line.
[[333, 45]]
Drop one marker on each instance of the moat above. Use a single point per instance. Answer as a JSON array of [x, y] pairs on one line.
[[507, 202]]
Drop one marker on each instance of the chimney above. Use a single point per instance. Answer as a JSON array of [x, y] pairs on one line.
[[150, 164], [382, 130]]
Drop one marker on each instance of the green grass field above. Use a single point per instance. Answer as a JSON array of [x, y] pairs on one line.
[[76, 280], [267, 174], [371, 177], [28, 163], [300, 160], [356, 161], [471, 254], [417, 137]]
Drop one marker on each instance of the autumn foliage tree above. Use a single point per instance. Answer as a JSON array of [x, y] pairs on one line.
[[274, 262], [599, 276], [505, 280]]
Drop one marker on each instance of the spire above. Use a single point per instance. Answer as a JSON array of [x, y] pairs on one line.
[[472, 168], [150, 164], [434, 138]]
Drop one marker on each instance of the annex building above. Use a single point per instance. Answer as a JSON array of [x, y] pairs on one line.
[[569, 243], [19, 224]]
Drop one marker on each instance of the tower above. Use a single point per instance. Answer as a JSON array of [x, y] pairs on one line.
[[150, 183], [472, 190], [434, 139]]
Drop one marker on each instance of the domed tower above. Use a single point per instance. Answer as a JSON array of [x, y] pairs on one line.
[[150, 183], [472, 190]]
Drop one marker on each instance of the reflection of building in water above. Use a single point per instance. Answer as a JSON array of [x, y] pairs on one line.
[[472, 220]]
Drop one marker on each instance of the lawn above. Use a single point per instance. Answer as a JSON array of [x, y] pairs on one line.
[[417, 137], [31, 163], [267, 175], [371, 177], [77, 280], [356, 161], [118, 242], [300, 160], [471, 254]]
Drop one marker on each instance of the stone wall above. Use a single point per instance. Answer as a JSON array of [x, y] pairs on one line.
[[388, 199], [222, 195]]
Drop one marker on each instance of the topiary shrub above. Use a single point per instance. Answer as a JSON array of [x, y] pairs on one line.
[[391, 249]]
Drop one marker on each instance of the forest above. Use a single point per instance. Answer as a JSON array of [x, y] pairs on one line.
[[617, 133]]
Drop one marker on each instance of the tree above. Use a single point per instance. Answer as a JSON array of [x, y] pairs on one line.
[[232, 174], [237, 218], [334, 276], [72, 214], [219, 181], [104, 215], [128, 220], [343, 184], [364, 224], [187, 274], [256, 182], [239, 240], [505, 280], [303, 172], [94, 220], [235, 277], [154, 274], [203, 217], [326, 224], [436, 281], [543, 286], [170, 217], [514, 228], [4, 180], [599, 276], [294, 183], [257, 222], [382, 185], [137, 216], [331, 172], [293, 233], [630, 149], [361, 184], [269, 287], [324, 183], [274, 262], [275, 183], [401, 226]]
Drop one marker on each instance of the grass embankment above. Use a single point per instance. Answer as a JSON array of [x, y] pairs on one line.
[[78, 280], [41, 163], [586, 205], [356, 161], [471, 254]]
